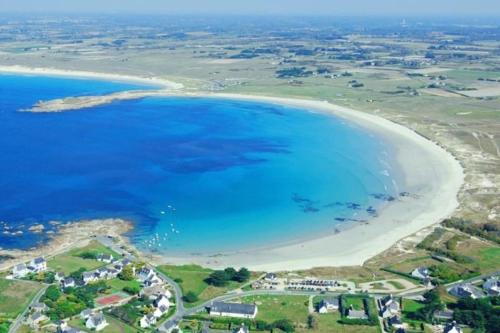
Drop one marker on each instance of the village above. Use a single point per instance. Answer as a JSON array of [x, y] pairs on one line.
[[124, 291]]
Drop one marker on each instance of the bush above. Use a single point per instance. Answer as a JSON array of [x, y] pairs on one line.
[[190, 297]]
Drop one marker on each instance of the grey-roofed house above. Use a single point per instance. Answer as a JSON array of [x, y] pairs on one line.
[[59, 276], [96, 322], [20, 271], [466, 290], [68, 283], [237, 310], [39, 307], [395, 321], [452, 328], [147, 320], [86, 313], [356, 314], [492, 286], [421, 273], [38, 265], [107, 258], [89, 277], [328, 304], [444, 315], [36, 318]]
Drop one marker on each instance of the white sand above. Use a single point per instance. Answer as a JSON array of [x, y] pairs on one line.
[[429, 171], [91, 75]]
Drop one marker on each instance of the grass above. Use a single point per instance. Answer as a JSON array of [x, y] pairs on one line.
[[328, 323], [191, 278], [118, 285], [114, 325], [396, 284], [271, 308], [70, 261], [15, 296], [356, 302]]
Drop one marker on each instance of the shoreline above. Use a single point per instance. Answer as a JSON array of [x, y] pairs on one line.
[[429, 170]]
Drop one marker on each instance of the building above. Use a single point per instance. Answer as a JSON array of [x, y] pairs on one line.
[[421, 273], [452, 328], [147, 320], [112, 273], [271, 277], [107, 258], [36, 318], [59, 276], [466, 290], [146, 273], [242, 329], [89, 277], [356, 314], [63, 327], [154, 292], [236, 310], [101, 273], [160, 311], [492, 286], [68, 283], [20, 271], [39, 307], [395, 321], [161, 301], [390, 307], [85, 314], [444, 315], [96, 322], [151, 282], [38, 265], [328, 305]]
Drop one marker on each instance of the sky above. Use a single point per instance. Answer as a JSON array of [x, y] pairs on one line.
[[268, 7]]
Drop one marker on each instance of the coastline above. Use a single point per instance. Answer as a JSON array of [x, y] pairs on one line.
[[429, 170]]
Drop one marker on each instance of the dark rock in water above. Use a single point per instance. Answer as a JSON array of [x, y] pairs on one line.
[[334, 204], [404, 194], [382, 196], [340, 219], [353, 205], [372, 211], [310, 209]]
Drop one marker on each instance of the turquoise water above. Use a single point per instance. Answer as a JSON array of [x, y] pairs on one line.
[[193, 174]]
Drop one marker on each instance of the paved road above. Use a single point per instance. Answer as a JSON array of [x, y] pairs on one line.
[[19, 320]]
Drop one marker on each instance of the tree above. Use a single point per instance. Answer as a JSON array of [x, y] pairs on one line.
[[242, 275], [132, 290], [190, 297], [230, 273], [311, 322], [127, 273], [217, 278], [78, 274], [53, 293]]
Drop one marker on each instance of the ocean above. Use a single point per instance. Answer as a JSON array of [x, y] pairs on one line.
[[194, 175]]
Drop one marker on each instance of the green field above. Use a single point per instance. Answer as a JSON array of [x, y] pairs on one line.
[[329, 323], [356, 302], [115, 326], [70, 261], [191, 278], [15, 296], [271, 308], [118, 285]]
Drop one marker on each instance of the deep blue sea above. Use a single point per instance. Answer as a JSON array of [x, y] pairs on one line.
[[193, 174]]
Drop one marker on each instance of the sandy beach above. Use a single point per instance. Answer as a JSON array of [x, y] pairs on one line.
[[431, 174]]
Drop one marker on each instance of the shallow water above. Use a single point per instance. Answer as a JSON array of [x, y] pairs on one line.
[[193, 174]]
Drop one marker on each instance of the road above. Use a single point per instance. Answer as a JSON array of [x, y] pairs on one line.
[[19, 320]]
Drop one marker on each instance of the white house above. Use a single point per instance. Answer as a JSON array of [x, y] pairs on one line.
[[89, 277], [154, 281], [237, 310], [160, 311], [147, 320], [59, 276], [68, 283], [39, 307], [20, 271], [328, 305], [38, 265], [421, 273], [36, 318], [452, 328], [154, 292], [96, 322], [146, 273], [161, 301], [390, 307], [271, 277], [85, 314], [466, 290], [492, 286], [395, 321], [107, 258], [242, 329]]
